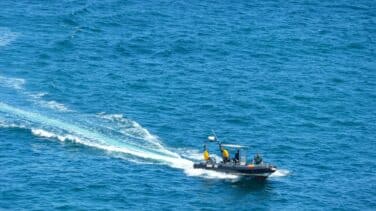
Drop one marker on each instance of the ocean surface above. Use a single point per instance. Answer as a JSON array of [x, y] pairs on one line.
[[105, 105]]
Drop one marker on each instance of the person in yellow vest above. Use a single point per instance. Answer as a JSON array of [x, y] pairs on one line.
[[225, 155], [206, 154]]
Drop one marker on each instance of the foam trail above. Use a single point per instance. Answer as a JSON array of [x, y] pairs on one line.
[[280, 173], [47, 134], [7, 36], [92, 138], [15, 83], [131, 128], [18, 85], [52, 104]]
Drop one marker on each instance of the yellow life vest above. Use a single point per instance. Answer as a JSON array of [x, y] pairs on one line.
[[206, 155], [225, 154]]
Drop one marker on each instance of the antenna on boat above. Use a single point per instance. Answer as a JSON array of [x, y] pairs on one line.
[[213, 137]]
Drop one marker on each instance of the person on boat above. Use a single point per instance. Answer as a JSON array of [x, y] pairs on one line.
[[237, 156], [206, 154], [257, 159], [225, 155]]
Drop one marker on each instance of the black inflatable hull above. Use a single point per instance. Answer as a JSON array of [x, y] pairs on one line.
[[259, 171]]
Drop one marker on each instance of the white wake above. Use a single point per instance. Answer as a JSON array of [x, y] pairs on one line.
[[6, 36], [135, 140], [18, 85]]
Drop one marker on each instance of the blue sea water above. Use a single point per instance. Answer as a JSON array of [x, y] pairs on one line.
[[106, 104]]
